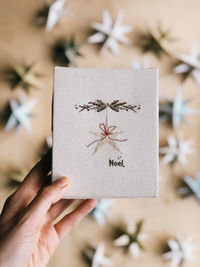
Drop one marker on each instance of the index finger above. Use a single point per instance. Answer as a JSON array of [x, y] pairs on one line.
[[36, 177], [32, 183]]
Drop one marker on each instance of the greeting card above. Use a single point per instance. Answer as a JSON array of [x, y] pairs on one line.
[[105, 131]]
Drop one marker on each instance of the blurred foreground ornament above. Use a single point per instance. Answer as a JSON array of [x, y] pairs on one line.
[[96, 257], [22, 75], [101, 211], [65, 52], [180, 251], [110, 33], [140, 65], [131, 238], [46, 146], [20, 113], [177, 149], [192, 187], [174, 111], [155, 41], [49, 142], [189, 65], [51, 13]]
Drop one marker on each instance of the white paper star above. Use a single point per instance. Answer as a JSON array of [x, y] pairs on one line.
[[180, 251], [110, 33], [47, 145], [140, 64], [23, 75], [176, 110], [177, 149], [56, 11], [102, 210], [20, 114], [131, 238], [189, 65], [192, 186], [49, 141], [99, 258]]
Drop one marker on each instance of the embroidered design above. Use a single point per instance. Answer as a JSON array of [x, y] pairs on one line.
[[107, 133], [106, 136], [115, 105]]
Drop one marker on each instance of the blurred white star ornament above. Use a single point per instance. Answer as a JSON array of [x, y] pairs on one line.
[[97, 257], [155, 41], [177, 149], [180, 251], [192, 187], [20, 112], [143, 64], [101, 211], [48, 143], [131, 238], [23, 75], [110, 32], [56, 11], [189, 65], [174, 111], [64, 52]]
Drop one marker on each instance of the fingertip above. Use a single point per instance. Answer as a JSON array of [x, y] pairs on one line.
[[63, 182], [91, 203], [94, 201]]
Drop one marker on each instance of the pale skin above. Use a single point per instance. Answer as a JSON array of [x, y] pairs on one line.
[[28, 232]]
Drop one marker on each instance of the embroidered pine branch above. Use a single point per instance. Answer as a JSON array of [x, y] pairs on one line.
[[115, 105]]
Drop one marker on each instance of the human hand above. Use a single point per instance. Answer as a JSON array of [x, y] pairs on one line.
[[28, 235]]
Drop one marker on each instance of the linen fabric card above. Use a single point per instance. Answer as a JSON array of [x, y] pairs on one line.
[[105, 132]]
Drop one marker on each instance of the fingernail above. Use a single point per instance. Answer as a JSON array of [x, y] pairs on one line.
[[63, 181]]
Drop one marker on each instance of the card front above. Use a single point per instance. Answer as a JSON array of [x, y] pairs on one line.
[[105, 132]]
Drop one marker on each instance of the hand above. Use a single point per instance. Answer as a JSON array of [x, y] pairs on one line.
[[28, 235]]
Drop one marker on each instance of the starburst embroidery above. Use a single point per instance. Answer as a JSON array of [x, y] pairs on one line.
[[107, 136]]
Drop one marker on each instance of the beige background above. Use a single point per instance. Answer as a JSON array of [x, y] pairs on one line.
[[20, 39]]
